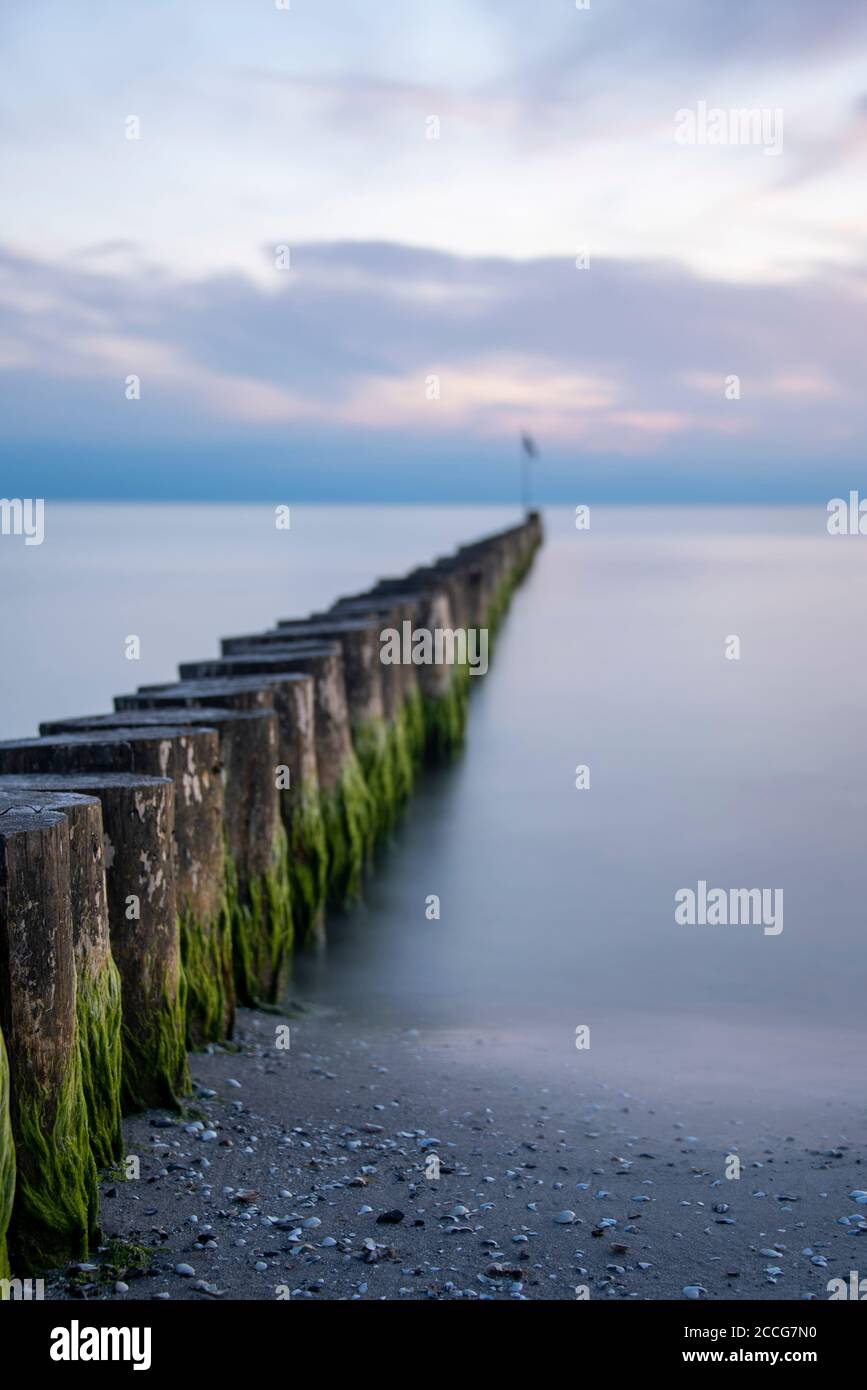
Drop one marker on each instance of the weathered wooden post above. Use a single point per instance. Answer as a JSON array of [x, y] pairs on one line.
[[465, 580], [291, 696], [439, 576], [7, 1162], [253, 944], [358, 640], [443, 684], [451, 699], [474, 586], [344, 795], [401, 688], [139, 858], [471, 591], [56, 1208], [138, 824], [504, 559], [191, 757], [509, 548], [495, 565], [486, 556], [98, 991], [480, 583]]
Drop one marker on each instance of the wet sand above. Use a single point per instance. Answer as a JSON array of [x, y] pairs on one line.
[[339, 1129]]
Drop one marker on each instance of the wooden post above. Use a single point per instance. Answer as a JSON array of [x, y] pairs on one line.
[[443, 687], [291, 696], [98, 989], [56, 1207], [390, 612], [191, 757], [372, 738], [254, 943], [7, 1163], [138, 815], [360, 652], [345, 799]]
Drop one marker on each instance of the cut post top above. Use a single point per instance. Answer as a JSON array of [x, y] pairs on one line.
[[181, 719]]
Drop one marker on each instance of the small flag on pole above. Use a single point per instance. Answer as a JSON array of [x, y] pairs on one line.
[[529, 451]]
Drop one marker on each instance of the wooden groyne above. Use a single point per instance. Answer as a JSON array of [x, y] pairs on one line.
[[162, 861]]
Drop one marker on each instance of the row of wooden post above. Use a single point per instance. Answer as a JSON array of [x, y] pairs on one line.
[[160, 864]]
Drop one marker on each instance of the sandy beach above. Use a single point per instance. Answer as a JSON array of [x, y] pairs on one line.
[[302, 1173]]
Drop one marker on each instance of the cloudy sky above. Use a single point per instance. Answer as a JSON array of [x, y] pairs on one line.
[[362, 244]]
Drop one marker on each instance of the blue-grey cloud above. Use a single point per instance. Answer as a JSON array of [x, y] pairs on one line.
[[622, 363]]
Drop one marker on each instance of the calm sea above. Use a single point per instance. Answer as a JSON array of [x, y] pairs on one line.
[[556, 904]]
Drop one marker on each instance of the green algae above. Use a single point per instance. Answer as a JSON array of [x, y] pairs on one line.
[[328, 842], [55, 1216], [7, 1162], [445, 719], [242, 946], [100, 1046], [122, 1258], [499, 603], [308, 864], [374, 751], [262, 925], [400, 739], [346, 813], [413, 714], [505, 590], [435, 725], [119, 1259], [206, 955], [274, 892], [155, 1071]]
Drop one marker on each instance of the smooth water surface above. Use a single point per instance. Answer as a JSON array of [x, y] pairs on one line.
[[557, 904]]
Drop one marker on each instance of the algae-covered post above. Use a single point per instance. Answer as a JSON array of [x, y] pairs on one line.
[[358, 640], [55, 1211], [291, 696], [486, 580], [502, 561], [191, 757], [344, 796], [134, 846], [429, 578], [98, 991], [255, 939], [138, 822], [443, 685], [401, 683], [200, 886], [7, 1162]]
